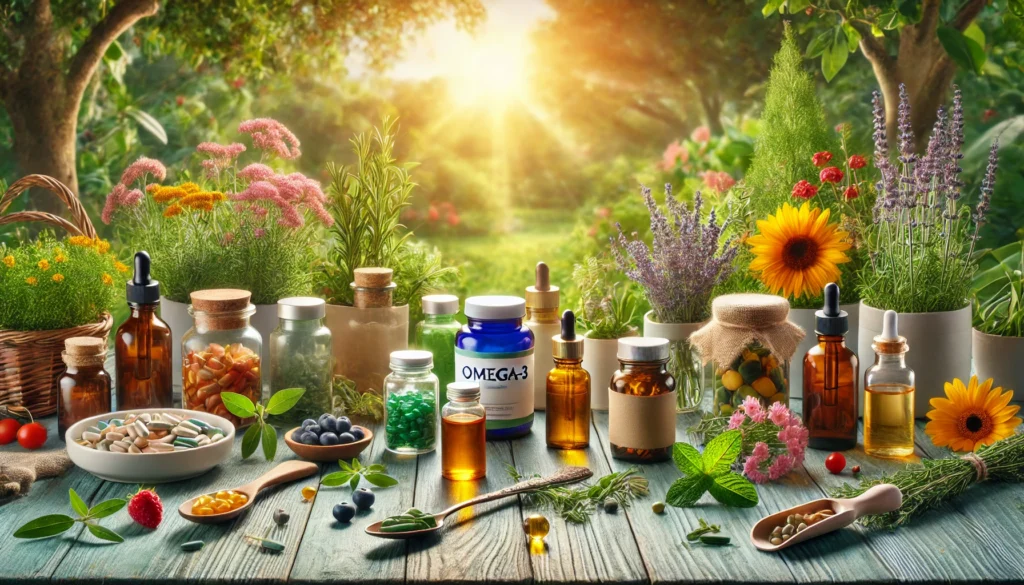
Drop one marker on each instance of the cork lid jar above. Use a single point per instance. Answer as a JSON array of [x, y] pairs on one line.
[[221, 309]]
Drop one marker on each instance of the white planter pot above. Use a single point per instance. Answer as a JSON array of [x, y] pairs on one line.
[[600, 361], [680, 332], [363, 339], [999, 358], [805, 319], [940, 349]]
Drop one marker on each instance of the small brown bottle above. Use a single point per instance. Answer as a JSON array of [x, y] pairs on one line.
[[642, 402], [830, 380], [568, 390], [142, 346], [85, 385]]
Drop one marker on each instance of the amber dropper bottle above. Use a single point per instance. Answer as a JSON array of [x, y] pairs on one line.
[[142, 347], [568, 390], [830, 380]]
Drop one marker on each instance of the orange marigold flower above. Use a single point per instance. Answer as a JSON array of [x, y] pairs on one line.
[[189, 187], [9, 261], [60, 257], [102, 246], [58, 277], [44, 265], [172, 210], [32, 280], [121, 267], [216, 196], [107, 280], [201, 200], [168, 194], [152, 188], [80, 241], [203, 206]]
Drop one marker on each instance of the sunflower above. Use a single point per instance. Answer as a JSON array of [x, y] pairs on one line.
[[970, 417], [797, 251]]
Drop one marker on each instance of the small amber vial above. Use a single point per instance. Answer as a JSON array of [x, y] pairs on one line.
[[463, 433], [830, 380], [85, 385], [142, 346], [642, 402], [568, 391]]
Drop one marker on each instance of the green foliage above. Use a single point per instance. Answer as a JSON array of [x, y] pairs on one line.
[[607, 306], [54, 524], [577, 504], [353, 471], [260, 431], [710, 471], [351, 402], [48, 284], [998, 291]]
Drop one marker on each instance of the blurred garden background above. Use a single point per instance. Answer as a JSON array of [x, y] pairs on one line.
[[532, 123]]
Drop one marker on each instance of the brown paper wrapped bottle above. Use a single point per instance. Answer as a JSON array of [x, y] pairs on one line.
[[642, 402]]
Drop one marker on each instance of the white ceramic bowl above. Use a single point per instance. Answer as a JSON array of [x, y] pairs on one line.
[[150, 468]]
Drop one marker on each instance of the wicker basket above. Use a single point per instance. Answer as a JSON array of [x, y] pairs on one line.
[[30, 361]]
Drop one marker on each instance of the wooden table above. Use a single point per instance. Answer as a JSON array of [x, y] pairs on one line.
[[976, 538]]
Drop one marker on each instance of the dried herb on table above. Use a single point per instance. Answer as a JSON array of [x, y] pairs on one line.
[[941, 480], [577, 504], [54, 524]]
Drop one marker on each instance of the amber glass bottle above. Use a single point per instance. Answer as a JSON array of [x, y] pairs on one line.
[[642, 402], [85, 385], [568, 390], [830, 380], [463, 433], [142, 346]]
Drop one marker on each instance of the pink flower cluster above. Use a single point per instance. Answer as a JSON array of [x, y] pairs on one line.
[[718, 181], [770, 459], [271, 136], [287, 192], [121, 196], [221, 156], [674, 152]]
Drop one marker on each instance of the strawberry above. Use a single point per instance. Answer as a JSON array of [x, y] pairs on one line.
[[144, 507]]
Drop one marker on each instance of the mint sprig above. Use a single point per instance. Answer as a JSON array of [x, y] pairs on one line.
[[711, 472], [261, 431], [54, 524], [352, 472]]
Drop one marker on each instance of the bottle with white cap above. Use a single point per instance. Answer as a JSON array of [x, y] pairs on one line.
[[411, 412], [300, 357], [889, 395]]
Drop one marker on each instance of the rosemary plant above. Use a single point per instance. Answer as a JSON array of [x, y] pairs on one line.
[[577, 504], [607, 308]]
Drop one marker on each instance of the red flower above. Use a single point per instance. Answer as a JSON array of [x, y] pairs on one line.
[[851, 192], [180, 100], [433, 214], [820, 159], [804, 190], [830, 175], [238, 83], [453, 219], [857, 162], [988, 115], [603, 212]]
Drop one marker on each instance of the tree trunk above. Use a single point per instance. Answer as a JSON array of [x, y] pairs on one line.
[[44, 139]]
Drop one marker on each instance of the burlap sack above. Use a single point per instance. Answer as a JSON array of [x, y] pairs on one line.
[[740, 319], [19, 470]]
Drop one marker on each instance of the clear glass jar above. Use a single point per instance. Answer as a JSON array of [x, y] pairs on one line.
[[221, 353], [436, 333], [754, 372], [300, 357], [410, 403], [463, 433]]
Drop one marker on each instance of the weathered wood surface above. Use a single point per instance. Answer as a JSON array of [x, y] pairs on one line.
[[973, 539]]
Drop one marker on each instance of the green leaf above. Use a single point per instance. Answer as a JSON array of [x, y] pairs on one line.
[[975, 33], [335, 479], [104, 533], [818, 45], [77, 504], [722, 451], [344, 465], [890, 19], [238, 405], [911, 10], [964, 51], [685, 491], [380, 479], [688, 459], [148, 123], [269, 442], [835, 55], [114, 52], [283, 400], [251, 440], [354, 482], [45, 526], [771, 7], [104, 509], [797, 6], [852, 36], [732, 489]]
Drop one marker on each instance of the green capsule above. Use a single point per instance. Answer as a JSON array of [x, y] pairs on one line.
[[408, 527], [714, 540], [192, 545]]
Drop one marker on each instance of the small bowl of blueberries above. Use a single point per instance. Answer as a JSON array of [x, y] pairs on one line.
[[328, 438]]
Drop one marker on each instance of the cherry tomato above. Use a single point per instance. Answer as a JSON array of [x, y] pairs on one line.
[[32, 435], [8, 430], [835, 463]]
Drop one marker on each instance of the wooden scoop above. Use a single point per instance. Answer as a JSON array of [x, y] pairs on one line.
[[878, 499], [567, 475], [283, 473]]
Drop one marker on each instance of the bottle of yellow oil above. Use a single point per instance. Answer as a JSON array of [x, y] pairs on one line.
[[889, 395]]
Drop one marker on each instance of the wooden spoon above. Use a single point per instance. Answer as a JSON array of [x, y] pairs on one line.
[[283, 473], [567, 475], [878, 499]]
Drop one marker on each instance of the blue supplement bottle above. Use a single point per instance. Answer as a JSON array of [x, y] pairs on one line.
[[495, 350]]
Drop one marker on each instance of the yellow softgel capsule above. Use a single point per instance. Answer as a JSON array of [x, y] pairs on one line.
[[202, 511], [536, 526], [222, 494], [220, 507], [308, 493]]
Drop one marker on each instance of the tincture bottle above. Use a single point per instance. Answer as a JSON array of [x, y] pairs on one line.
[[889, 396], [495, 350], [142, 346], [463, 433], [436, 333], [830, 380], [642, 402], [568, 391], [85, 385], [410, 403], [542, 318]]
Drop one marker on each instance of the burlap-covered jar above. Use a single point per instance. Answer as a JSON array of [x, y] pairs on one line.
[[751, 342]]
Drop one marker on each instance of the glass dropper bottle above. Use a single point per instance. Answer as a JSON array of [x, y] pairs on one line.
[[830, 380], [889, 395], [568, 390], [142, 345]]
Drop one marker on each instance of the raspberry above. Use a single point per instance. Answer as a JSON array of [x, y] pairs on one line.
[[145, 508]]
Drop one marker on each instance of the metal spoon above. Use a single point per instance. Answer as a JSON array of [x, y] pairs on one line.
[[283, 473], [567, 475], [878, 499]]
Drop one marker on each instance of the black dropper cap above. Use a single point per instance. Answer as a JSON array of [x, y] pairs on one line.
[[568, 326], [567, 345], [142, 289], [830, 320]]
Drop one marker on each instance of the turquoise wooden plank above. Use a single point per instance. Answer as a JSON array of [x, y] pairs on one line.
[[480, 544], [602, 550], [155, 554], [331, 551]]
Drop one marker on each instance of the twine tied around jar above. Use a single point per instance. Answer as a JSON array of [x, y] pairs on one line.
[[84, 351], [738, 320], [221, 309]]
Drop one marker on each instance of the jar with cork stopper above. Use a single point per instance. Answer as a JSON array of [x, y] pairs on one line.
[[221, 353], [568, 391], [85, 385], [143, 346], [542, 318]]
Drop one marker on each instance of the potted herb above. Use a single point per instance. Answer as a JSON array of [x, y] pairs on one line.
[[998, 335], [249, 227], [606, 311], [921, 248], [678, 272]]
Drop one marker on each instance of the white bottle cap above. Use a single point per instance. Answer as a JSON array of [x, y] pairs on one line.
[[495, 308], [890, 326]]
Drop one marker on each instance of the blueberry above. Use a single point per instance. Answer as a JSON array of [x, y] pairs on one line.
[[308, 422], [308, 438], [342, 424], [314, 428], [327, 422], [344, 512], [345, 438], [363, 498], [328, 439], [358, 433]]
